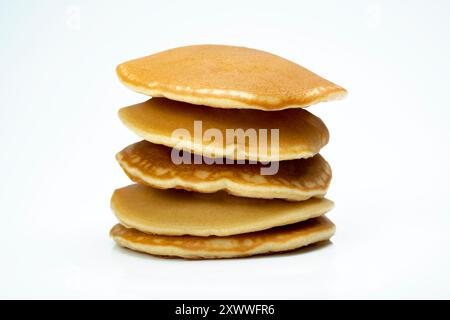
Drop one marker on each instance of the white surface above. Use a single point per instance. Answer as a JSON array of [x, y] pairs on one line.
[[389, 146]]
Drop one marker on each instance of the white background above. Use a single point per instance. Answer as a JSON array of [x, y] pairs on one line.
[[389, 146]]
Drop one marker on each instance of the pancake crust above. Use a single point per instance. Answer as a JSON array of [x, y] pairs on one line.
[[296, 180], [301, 134], [272, 240], [178, 212], [227, 77]]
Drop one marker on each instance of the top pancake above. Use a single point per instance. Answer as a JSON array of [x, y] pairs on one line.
[[227, 77]]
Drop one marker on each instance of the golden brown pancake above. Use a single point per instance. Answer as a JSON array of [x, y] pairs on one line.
[[179, 212], [227, 77], [296, 180], [301, 134], [272, 240]]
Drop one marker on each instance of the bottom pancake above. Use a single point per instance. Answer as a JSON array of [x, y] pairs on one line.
[[277, 239]]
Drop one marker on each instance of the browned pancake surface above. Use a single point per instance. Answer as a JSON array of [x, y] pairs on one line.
[[227, 77], [296, 180], [272, 240], [179, 212], [301, 134]]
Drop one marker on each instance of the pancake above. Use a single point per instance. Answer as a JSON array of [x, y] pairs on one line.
[[267, 241], [296, 180], [301, 134], [179, 212], [227, 77]]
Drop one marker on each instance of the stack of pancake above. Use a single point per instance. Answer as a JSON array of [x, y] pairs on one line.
[[199, 195]]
